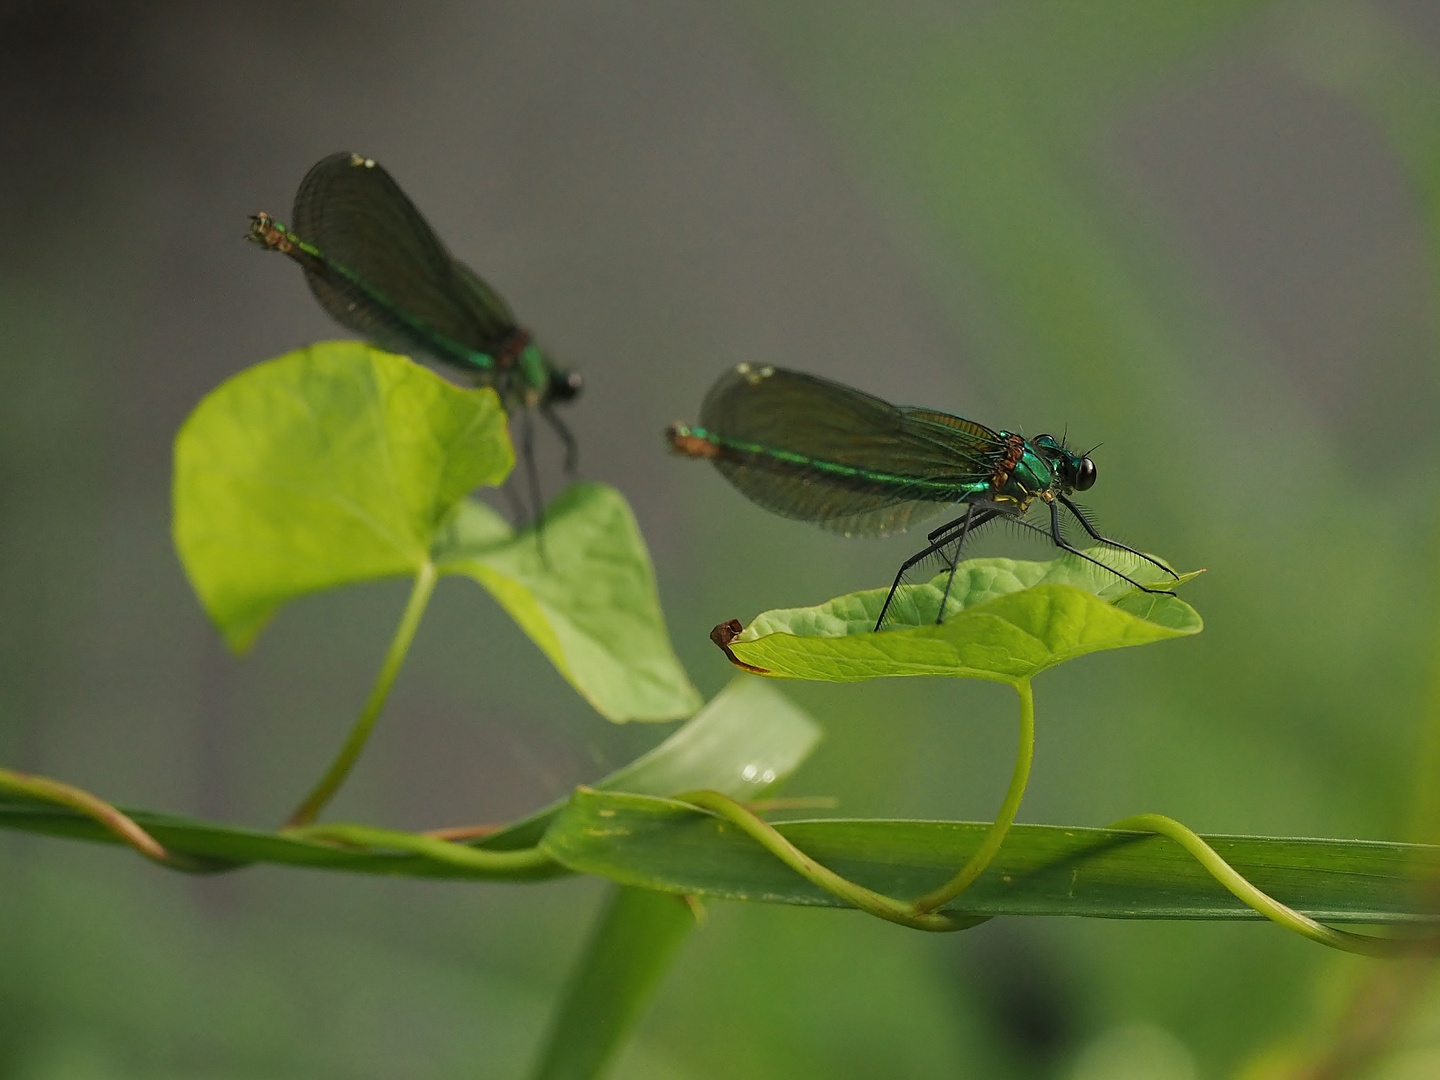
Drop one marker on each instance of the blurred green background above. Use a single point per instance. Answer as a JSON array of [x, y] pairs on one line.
[[1202, 234]]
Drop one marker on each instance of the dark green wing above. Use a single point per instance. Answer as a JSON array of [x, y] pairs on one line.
[[385, 273], [808, 448]]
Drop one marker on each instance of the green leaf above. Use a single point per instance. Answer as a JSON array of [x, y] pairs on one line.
[[632, 946], [1005, 620], [584, 590], [748, 739], [327, 466], [1041, 869]]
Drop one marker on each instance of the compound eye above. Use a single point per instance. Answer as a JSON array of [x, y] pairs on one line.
[[1085, 475], [565, 385]]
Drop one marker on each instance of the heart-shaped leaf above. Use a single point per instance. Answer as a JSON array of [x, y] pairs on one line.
[[1005, 620], [583, 588], [330, 465]]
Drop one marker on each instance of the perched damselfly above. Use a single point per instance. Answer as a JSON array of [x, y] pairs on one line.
[[814, 450], [379, 269]]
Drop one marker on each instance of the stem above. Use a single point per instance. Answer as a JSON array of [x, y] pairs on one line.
[[464, 832], [1272, 909], [616, 978], [990, 846], [794, 802], [877, 904], [114, 821], [344, 761], [920, 914], [445, 851], [53, 791]]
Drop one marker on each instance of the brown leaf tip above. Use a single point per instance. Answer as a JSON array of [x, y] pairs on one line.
[[726, 632]]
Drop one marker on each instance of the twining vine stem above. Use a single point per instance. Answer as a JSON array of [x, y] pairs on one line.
[[868, 900], [919, 914], [990, 846], [114, 821], [1267, 905], [366, 837], [922, 913]]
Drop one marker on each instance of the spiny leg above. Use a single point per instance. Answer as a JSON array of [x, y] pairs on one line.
[[1058, 539], [1079, 516], [900, 576], [955, 559], [566, 437], [532, 477], [952, 561], [983, 512], [518, 513], [940, 539]]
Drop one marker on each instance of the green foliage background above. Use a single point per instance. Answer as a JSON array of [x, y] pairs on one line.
[[1202, 233]]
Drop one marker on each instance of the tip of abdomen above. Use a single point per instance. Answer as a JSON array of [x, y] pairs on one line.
[[684, 440]]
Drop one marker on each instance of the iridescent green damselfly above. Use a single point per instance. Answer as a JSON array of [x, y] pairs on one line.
[[814, 450], [379, 269]]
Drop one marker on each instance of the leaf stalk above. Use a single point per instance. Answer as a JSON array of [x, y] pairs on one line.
[[339, 769], [990, 846]]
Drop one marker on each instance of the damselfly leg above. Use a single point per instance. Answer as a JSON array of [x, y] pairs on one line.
[[940, 539], [955, 560], [1058, 539], [566, 437], [1085, 524], [532, 480]]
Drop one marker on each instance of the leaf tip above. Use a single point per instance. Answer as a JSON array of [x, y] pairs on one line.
[[240, 643], [725, 633]]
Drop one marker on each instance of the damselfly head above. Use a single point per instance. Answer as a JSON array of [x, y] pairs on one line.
[[564, 385], [1076, 472]]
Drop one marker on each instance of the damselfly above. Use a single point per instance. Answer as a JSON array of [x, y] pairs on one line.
[[379, 269], [811, 449]]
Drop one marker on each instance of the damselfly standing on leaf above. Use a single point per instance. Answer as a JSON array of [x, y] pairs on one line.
[[814, 450]]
